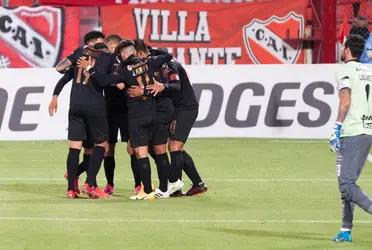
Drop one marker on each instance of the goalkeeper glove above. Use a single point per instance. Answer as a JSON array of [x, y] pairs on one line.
[[334, 141]]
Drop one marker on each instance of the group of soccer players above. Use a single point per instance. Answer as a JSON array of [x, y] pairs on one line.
[[124, 85]]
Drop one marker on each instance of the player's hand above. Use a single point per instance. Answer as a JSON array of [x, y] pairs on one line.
[[155, 88], [84, 62], [120, 86], [334, 141], [135, 91], [53, 105]]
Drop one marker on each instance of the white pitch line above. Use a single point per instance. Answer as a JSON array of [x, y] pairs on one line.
[[196, 221], [207, 179]]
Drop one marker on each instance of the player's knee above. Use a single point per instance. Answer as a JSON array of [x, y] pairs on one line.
[[346, 190], [75, 144], [141, 152], [110, 150], [159, 149], [175, 146], [130, 151]]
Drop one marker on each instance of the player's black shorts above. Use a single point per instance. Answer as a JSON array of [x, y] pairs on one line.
[[140, 130], [85, 121], [118, 123], [182, 124], [161, 128]]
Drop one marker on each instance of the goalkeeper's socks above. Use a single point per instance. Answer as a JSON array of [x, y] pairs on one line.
[[83, 166], [145, 173], [72, 165], [163, 166], [177, 162], [135, 170], [109, 165], [190, 169], [94, 165]]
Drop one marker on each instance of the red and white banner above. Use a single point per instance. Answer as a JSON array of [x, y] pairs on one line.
[[82, 2], [37, 37], [261, 33]]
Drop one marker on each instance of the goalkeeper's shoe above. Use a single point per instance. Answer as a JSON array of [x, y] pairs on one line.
[[143, 196], [197, 189], [175, 186], [160, 194], [71, 194], [343, 236]]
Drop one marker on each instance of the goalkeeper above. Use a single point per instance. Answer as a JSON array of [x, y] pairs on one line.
[[352, 135]]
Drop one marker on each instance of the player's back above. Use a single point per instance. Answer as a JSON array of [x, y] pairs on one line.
[[358, 78]]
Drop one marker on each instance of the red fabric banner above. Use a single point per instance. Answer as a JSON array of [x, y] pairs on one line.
[[37, 37], [264, 32], [82, 2]]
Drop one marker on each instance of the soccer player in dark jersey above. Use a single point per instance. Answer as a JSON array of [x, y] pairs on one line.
[[98, 70], [141, 109], [168, 76], [90, 39], [117, 116], [87, 116], [186, 112]]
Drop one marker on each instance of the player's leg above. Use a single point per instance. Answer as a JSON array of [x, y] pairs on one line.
[[109, 167], [159, 153], [350, 162], [181, 160], [139, 135], [88, 149], [98, 130], [135, 169], [76, 134], [72, 165], [109, 160]]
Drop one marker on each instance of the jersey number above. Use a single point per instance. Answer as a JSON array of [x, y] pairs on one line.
[[367, 91]]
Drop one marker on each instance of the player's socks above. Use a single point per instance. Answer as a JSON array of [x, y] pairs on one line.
[[109, 165], [177, 162], [163, 166], [72, 165], [145, 173], [83, 165], [135, 170], [94, 165], [190, 169]]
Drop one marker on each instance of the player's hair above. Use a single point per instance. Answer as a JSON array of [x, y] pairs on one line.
[[112, 38], [92, 35], [140, 45], [356, 45]]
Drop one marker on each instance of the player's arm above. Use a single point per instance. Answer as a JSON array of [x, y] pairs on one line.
[[174, 83], [170, 87], [344, 93], [63, 65], [344, 104], [67, 62], [53, 105]]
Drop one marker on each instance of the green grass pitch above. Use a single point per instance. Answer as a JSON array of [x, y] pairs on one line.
[[263, 194]]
